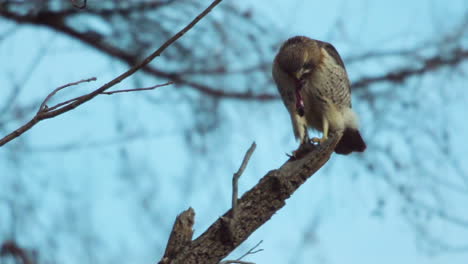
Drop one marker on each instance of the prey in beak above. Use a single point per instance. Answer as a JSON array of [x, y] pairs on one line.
[[300, 82]]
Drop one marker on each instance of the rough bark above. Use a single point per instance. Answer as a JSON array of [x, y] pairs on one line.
[[255, 207], [181, 235]]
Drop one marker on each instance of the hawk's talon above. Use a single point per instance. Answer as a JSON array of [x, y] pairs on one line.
[[302, 151], [319, 140]]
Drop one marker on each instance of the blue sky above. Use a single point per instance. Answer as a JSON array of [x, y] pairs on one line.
[[334, 212]]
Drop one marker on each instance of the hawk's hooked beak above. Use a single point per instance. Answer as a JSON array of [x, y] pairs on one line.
[[300, 73]]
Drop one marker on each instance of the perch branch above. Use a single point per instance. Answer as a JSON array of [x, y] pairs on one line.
[[256, 207]]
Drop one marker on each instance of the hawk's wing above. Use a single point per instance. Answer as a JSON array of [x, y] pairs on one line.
[[285, 87], [337, 58], [332, 51]]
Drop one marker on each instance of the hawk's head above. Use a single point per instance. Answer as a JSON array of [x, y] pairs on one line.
[[298, 56]]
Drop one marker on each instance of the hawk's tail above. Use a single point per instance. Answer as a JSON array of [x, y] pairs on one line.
[[351, 141]]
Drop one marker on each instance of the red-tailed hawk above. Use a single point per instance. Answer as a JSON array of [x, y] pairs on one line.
[[313, 83]]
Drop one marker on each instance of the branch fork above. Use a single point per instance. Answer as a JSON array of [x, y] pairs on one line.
[[255, 207]]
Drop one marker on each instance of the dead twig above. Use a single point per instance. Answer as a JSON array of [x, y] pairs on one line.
[[235, 178], [230, 220], [43, 106], [250, 252], [253, 250], [138, 89], [109, 93]]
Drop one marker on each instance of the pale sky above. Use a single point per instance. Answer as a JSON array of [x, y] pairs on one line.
[[336, 204]]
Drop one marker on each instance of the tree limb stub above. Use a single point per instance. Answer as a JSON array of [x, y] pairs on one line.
[[181, 235], [255, 207]]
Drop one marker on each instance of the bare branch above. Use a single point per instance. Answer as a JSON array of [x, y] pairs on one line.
[[85, 98], [125, 10], [10, 247], [82, 6], [43, 106], [108, 93], [138, 89], [229, 221], [65, 103], [256, 207], [235, 178], [455, 57], [55, 20], [253, 250]]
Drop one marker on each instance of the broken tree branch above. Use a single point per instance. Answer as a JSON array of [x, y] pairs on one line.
[[256, 207], [181, 235]]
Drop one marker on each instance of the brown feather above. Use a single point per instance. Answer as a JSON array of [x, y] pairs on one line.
[[350, 142]]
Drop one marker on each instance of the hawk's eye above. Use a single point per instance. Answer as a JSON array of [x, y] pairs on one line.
[[308, 65]]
